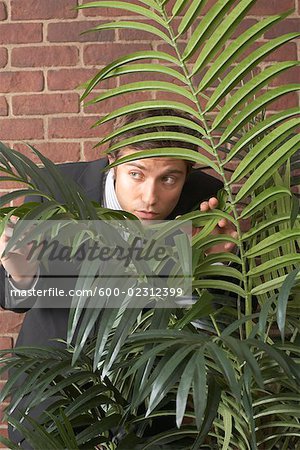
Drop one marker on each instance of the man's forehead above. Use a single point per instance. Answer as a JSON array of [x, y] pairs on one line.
[[160, 161]]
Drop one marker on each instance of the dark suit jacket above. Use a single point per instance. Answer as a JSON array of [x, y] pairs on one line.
[[42, 324]]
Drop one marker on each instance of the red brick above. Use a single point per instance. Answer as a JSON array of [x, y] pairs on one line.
[[4, 433], [44, 56], [12, 129], [58, 152], [178, 98], [106, 53], [2, 407], [3, 57], [69, 79], [290, 76], [263, 7], [45, 104], [91, 153], [70, 32], [10, 322], [107, 12], [109, 105], [24, 81], [287, 101], [19, 201], [285, 53], [167, 49], [43, 9], [286, 26], [3, 107], [140, 35], [20, 33], [243, 26], [5, 342], [73, 127], [144, 76], [3, 12], [11, 185]]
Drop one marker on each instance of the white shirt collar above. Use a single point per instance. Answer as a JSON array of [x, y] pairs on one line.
[[110, 198]]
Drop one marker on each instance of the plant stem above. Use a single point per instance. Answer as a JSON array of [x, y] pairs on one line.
[[248, 296]]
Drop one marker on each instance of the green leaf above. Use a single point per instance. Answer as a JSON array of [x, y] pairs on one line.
[[72, 192], [226, 366], [295, 210], [212, 405], [265, 224], [108, 318], [245, 67], [139, 68], [274, 283], [263, 199], [39, 438], [143, 86], [274, 264], [222, 34], [268, 167], [81, 403], [165, 379], [151, 122], [101, 426], [228, 425], [206, 27], [248, 90], [272, 242], [283, 300], [128, 7], [237, 47], [190, 16], [150, 54], [260, 128], [219, 270], [8, 443], [284, 361], [219, 285], [203, 307], [183, 390], [148, 355], [220, 257], [7, 198], [131, 26], [162, 136], [15, 376], [178, 7], [180, 153], [142, 106], [120, 334], [200, 388], [263, 148]]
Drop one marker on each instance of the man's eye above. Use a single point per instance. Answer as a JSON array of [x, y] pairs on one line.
[[135, 175], [169, 180]]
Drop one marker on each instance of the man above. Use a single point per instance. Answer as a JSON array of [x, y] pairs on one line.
[[151, 189]]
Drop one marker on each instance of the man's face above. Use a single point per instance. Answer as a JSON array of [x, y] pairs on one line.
[[149, 188]]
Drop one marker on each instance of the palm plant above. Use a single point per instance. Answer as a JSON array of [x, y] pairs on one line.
[[220, 369]]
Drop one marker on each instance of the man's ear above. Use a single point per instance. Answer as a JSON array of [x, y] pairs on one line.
[[111, 158]]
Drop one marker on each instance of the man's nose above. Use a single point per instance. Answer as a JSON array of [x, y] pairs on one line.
[[150, 193]]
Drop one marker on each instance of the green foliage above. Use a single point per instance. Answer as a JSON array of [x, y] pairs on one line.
[[220, 369]]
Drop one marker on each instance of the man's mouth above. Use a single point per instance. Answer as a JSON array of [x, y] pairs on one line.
[[148, 215]]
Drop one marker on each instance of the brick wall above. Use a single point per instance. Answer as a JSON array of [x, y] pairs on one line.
[[42, 61]]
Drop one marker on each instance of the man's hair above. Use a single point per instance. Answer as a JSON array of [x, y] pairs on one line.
[[151, 144]]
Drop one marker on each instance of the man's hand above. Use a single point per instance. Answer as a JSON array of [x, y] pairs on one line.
[[224, 226], [21, 269]]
